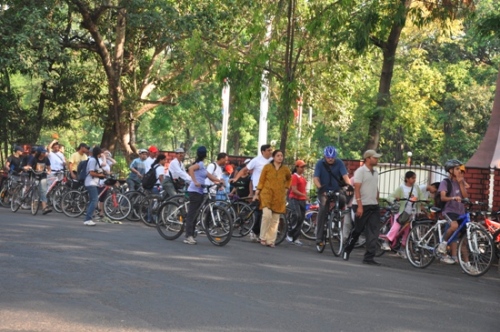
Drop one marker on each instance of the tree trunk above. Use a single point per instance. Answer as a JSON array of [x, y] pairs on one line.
[[389, 48]]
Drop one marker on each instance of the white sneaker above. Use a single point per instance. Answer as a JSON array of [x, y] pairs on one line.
[[289, 239], [402, 254], [385, 246], [472, 269], [298, 243], [189, 240], [89, 223], [253, 237], [442, 247], [447, 260]]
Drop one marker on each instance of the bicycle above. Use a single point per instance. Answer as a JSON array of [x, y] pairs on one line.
[[476, 245], [9, 185], [214, 218], [56, 190], [333, 226], [308, 229], [28, 194], [493, 227]]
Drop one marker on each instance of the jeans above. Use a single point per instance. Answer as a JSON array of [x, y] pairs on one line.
[[93, 195], [300, 214], [370, 223], [133, 184], [195, 200], [42, 190]]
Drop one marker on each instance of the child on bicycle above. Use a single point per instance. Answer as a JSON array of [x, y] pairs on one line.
[[453, 205], [411, 193]]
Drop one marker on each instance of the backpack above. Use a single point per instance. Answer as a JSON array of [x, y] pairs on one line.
[[437, 197], [149, 179], [81, 170]]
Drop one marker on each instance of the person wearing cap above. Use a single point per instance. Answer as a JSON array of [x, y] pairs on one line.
[[137, 170], [95, 172], [227, 170], [366, 208], [57, 159], [330, 174], [255, 166], [77, 157], [297, 198], [153, 153], [13, 163], [41, 165], [176, 172], [198, 174]]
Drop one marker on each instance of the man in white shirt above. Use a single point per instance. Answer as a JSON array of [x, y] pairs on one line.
[[153, 153], [176, 171], [57, 161], [215, 169], [256, 165]]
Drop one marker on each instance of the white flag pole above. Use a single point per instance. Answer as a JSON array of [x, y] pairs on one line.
[[225, 115]]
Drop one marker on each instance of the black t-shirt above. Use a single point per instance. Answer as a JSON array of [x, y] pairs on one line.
[[15, 165], [40, 165], [242, 186]]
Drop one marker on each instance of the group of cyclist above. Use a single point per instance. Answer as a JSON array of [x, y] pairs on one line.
[[267, 180]]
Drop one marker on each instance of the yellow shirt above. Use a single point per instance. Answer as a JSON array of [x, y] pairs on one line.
[[75, 159], [273, 185]]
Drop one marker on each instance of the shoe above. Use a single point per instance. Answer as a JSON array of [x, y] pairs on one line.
[[26, 206], [47, 210], [442, 247], [472, 269], [253, 237], [271, 245], [89, 223], [345, 255], [402, 254], [298, 243], [385, 246], [289, 239], [447, 260], [189, 240], [319, 246], [371, 262]]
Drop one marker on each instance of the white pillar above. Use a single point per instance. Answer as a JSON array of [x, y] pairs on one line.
[[264, 96], [225, 115]]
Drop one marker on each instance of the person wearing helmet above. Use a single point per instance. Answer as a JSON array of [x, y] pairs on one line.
[[453, 205], [328, 175]]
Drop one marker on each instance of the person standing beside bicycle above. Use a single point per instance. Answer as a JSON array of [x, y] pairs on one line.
[[273, 185], [176, 177], [330, 174], [366, 208], [198, 174], [137, 170], [95, 172], [297, 198], [452, 190], [41, 165], [411, 193]]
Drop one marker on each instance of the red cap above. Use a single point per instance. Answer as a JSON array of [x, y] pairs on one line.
[[300, 163], [153, 149], [229, 169]]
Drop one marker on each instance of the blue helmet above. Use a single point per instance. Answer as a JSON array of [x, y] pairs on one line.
[[330, 152]]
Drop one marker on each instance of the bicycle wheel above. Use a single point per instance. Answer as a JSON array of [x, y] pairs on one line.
[[135, 198], [421, 246], [336, 235], [74, 203], [16, 200], [476, 247], [57, 197], [384, 229], [244, 219], [117, 206], [282, 229], [149, 210], [217, 224], [4, 194], [35, 201], [170, 224], [308, 229]]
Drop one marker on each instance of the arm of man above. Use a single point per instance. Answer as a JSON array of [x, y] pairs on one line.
[[238, 175], [359, 202]]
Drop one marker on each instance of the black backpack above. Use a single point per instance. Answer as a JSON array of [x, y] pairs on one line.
[[437, 197], [149, 179], [81, 170]]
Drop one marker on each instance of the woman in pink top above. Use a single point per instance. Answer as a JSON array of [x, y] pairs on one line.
[[297, 198]]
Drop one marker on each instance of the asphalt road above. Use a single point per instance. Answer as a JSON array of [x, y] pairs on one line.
[[58, 275]]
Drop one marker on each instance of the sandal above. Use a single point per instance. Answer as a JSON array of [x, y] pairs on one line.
[[47, 210], [263, 242]]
